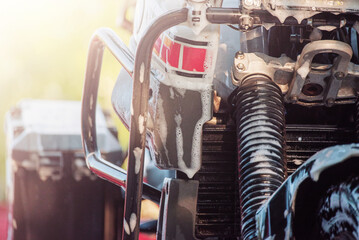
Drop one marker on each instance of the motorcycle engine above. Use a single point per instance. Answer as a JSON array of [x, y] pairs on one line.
[[301, 9], [312, 122]]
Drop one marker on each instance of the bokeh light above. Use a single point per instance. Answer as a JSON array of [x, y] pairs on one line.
[[43, 49]]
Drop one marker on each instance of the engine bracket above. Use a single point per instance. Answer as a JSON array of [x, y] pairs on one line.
[[304, 82]]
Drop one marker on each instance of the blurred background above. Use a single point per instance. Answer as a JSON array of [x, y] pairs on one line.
[[43, 50]]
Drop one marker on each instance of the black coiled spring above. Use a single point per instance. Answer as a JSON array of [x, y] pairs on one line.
[[259, 114], [357, 120]]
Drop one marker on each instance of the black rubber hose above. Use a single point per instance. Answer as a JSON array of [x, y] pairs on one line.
[[357, 121], [260, 120]]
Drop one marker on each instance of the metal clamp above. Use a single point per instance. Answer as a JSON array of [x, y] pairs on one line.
[[303, 68]]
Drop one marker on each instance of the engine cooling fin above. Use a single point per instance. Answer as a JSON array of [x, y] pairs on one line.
[[218, 200], [218, 210], [303, 141]]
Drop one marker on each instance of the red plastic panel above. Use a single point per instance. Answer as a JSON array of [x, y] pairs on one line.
[[193, 59], [170, 52]]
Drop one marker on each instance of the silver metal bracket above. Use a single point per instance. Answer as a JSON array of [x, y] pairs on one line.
[[338, 71], [304, 82]]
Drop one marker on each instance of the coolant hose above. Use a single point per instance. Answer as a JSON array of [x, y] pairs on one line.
[[260, 122]]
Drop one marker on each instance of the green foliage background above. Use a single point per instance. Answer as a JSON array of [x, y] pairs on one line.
[[43, 49]]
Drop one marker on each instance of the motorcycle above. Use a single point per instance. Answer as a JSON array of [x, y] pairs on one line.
[[253, 106]]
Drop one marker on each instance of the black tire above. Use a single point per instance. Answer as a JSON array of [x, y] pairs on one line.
[[338, 215]]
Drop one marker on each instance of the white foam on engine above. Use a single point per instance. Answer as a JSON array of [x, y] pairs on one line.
[[161, 123], [197, 134], [141, 121], [137, 152], [263, 171], [255, 121], [263, 151], [172, 94], [181, 91], [126, 227], [259, 129], [261, 155], [133, 221], [267, 141], [179, 142]]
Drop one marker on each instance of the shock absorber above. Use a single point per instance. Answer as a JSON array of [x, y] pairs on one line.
[[259, 115]]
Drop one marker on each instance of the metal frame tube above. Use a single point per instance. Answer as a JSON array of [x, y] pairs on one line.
[[141, 77], [104, 38], [140, 69]]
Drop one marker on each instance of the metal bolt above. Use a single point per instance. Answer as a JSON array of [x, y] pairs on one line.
[[246, 22], [240, 55], [339, 75], [241, 67]]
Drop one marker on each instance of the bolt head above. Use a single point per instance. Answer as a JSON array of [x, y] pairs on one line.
[[240, 55], [339, 75], [241, 67]]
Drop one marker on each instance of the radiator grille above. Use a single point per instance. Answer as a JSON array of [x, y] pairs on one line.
[[218, 215], [305, 140], [217, 211]]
